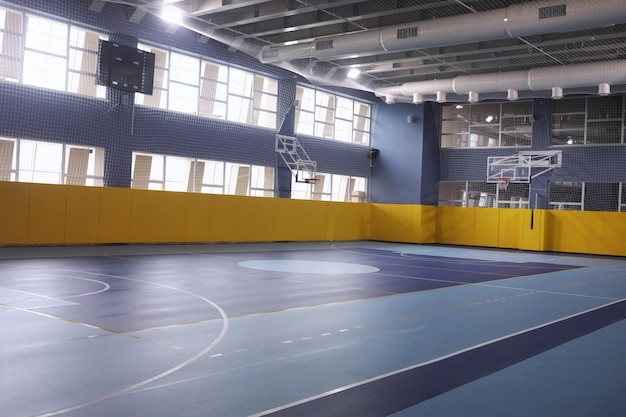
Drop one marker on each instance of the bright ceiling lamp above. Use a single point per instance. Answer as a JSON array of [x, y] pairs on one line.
[[172, 15], [354, 73]]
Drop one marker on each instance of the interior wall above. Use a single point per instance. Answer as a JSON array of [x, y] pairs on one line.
[[397, 171], [43, 214]]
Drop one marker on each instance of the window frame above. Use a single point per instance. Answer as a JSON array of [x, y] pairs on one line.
[[67, 165], [319, 114], [156, 177]]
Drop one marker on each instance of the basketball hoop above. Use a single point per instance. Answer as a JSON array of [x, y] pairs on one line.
[[503, 183], [310, 180]]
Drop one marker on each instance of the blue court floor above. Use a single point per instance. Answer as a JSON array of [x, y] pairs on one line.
[[310, 329]]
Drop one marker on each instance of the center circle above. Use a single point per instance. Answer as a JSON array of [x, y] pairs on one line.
[[308, 267]]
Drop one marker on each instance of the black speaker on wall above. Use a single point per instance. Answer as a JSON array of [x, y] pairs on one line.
[[125, 68]]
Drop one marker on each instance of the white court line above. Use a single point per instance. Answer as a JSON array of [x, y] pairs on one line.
[[489, 284], [419, 365], [21, 299], [218, 338], [106, 287]]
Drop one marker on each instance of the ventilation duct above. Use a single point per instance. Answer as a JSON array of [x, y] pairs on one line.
[[524, 19], [536, 79]]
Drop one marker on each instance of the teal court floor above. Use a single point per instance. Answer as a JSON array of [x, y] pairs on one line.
[[310, 329]]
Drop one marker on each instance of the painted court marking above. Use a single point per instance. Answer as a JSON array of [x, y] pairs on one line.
[[216, 340], [423, 364], [308, 267]]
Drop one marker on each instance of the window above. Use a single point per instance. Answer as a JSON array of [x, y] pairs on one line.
[[50, 163], [159, 97], [213, 90], [190, 85], [483, 194], [83, 58], [265, 102], [49, 54], [588, 121], [10, 44], [172, 173], [588, 196], [331, 187], [184, 83], [328, 116], [487, 125]]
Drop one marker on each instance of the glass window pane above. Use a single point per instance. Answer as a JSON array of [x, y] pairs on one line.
[[183, 98], [345, 108], [46, 35], [238, 108], [236, 179], [306, 98], [8, 159], [177, 173], [304, 123], [268, 102], [240, 82], [184, 69], [42, 70], [265, 119], [40, 162], [216, 72], [266, 85], [343, 130]]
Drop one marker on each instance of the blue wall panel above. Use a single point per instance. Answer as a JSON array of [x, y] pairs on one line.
[[397, 172]]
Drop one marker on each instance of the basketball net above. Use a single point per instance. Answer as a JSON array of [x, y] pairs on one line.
[[503, 183]]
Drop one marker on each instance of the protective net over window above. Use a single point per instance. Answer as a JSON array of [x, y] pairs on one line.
[[565, 154], [209, 125]]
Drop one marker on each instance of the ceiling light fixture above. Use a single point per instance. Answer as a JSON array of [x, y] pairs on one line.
[[354, 73], [172, 14]]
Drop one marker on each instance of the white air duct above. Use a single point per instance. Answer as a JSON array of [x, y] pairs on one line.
[[518, 20], [536, 79], [472, 97]]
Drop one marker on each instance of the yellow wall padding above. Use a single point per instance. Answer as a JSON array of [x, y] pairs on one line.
[[82, 215], [575, 231], [14, 213], [509, 225], [613, 234], [46, 214], [456, 225], [403, 223], [42, 214], [115, 219], [198, 217]]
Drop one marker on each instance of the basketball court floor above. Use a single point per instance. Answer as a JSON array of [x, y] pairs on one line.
[[310, 329]]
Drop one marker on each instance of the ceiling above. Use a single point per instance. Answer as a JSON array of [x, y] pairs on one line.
[[400, 44]]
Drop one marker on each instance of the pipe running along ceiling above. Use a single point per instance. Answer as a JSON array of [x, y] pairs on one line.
[[415, 50]]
